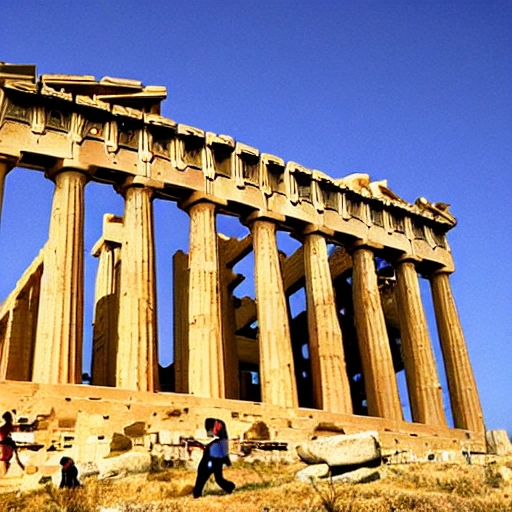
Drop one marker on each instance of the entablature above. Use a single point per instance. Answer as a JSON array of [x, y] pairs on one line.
[[114, 127]]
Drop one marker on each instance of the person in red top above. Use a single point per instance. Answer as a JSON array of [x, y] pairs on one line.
[[8, 447]]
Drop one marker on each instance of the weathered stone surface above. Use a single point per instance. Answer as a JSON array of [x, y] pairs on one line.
[[425, 391], [270, 195], [137, 429], [277, 374], [498, 442], [128, 463], [331, 388], [165, 437], [120, 443], [465, 402], [270, 457], [505, 473], [376, 360], [258, 432], [341, 450], [359, 476], [88, 469], [312, 472]]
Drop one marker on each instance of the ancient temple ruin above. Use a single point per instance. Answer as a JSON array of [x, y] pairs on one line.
[[363, 250]]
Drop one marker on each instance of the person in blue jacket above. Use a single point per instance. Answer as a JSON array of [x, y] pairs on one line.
[[215, 455]]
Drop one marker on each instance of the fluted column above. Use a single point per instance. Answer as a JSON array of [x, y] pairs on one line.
[[379, 375], [425, 393], [232, 379], [137, 359], [206, 359], [58, 351], [277, 375], [180, 305], [465, 402], [21, 333], [106, 309], [331, 389]]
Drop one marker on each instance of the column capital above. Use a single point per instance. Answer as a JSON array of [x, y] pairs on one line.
[[201, 197], [407, 258], [442, 270], [364, 244], [264, 215], [316, 229], [139, 182], [68, 164]]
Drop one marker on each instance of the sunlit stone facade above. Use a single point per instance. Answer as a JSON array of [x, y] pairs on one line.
[[363, 250]]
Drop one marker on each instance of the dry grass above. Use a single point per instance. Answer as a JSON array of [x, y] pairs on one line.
[[421, 488]]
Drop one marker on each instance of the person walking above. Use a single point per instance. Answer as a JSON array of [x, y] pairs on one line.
[[215, 455], [8, 447]]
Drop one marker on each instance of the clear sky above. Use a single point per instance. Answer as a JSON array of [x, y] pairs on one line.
[[418, 93]]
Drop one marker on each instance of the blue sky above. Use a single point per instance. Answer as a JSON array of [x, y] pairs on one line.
[[418, 93]]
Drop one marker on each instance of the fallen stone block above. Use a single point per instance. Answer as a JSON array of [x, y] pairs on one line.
[[165, 437], [128, 463], [120, 443], [343, 450], [498, 442], [312, 472], [358, 476], [505, 473]]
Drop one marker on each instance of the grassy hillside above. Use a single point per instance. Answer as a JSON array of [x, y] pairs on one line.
[[420, 487]]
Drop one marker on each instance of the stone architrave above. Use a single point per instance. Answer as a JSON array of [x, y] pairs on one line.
[[277, 374], [58, 351], [137, 360], [331, 389], [425, 392], [465, 402], [206, 358], [379, 375]]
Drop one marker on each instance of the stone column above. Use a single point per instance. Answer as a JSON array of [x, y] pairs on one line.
[[22, 331], [180, 305], [137, 359], [331, 389], [232, 379], [379, 375], [106, 309], [206, 358], [425, 393], [277, 375], [58, 351], [465, 402]]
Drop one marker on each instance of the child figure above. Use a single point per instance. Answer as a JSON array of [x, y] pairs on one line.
[[216, 454], [69, 478]]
